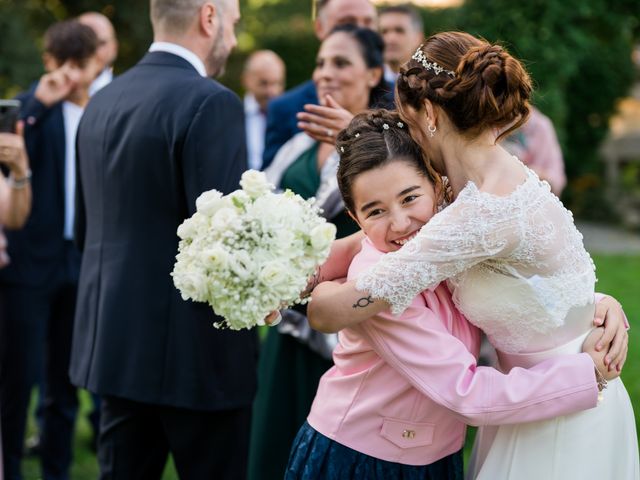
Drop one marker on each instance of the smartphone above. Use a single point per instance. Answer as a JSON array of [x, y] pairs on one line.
[[9, 111]]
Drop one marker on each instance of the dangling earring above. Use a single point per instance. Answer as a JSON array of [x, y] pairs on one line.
[[432, 130]]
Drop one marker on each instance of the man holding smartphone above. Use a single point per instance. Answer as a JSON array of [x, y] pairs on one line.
[[40, 284]]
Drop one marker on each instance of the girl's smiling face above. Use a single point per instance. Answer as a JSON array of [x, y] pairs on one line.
[[391, 203]]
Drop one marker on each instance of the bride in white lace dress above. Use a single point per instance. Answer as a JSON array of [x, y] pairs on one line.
[[511, 253]]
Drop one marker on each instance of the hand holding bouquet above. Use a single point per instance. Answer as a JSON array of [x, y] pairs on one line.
[[250, 252]]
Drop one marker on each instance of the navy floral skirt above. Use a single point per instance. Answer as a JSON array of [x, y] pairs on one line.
[[314, 456]]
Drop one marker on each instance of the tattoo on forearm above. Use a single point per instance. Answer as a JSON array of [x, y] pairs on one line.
[[363, 302]]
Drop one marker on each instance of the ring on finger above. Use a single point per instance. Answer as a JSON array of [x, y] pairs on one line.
[[329, 132]]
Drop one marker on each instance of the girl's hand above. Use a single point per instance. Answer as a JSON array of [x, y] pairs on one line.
[[589, 346], [273, 318], [614, 339]]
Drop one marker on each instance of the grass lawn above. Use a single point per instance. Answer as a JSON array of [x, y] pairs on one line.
[[617, 275]]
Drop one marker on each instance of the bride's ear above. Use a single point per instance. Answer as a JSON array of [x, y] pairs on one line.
[[431, 111]]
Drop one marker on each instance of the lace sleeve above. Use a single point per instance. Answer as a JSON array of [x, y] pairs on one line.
[[475, 227]]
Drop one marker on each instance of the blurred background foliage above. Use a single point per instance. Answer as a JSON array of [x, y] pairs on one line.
[[578, 52]]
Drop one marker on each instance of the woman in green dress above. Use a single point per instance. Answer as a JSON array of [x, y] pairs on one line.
[[349, 69]]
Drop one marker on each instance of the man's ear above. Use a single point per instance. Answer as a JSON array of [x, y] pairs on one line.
[[209, 18], [318, 28]]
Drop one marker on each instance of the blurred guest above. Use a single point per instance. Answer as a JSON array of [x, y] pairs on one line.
[[148, 145], [536, 145], [15, 190], [39, 286], [15, 204], [402, 30], [263, 80], [282, 123], [107, 46], [349, 65]]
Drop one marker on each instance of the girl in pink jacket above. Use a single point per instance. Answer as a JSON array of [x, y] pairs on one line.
[[402, 390]]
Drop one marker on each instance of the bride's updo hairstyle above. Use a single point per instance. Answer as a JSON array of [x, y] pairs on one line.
[[477, 84], [373, 139]]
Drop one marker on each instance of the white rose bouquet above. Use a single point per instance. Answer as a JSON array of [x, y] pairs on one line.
[[250, 252]]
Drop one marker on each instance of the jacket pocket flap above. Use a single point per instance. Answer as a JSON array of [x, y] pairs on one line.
[[407, 434]]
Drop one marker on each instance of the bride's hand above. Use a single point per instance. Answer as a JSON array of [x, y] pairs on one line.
[[589, 346], [614, 339]]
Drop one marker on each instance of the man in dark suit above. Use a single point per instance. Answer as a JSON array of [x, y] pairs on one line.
[[282, 123], [149, 144], [39, 286]]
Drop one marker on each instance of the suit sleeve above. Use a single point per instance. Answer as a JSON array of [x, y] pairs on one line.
[[214, 154], [277, 132], [419, 347], [33, 112]]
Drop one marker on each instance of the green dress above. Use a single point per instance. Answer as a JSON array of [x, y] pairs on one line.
[[288, 370]]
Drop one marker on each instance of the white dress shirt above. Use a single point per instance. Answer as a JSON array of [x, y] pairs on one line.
[[256, 126], [71, 114], [101, 80], [389, 75], [181, 52]]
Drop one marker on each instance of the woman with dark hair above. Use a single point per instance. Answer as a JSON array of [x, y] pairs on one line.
[[349, 69], [514, 259]]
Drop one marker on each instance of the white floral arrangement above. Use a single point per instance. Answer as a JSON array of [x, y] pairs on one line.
[[251, 252]]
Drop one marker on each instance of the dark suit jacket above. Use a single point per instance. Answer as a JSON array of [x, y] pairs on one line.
[[38, 250], [282, 123], [148, 144]]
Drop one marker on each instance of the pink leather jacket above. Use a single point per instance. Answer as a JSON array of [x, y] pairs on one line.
[[404, 388]]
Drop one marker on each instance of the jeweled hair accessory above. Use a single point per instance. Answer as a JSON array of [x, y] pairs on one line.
[[419, 56]]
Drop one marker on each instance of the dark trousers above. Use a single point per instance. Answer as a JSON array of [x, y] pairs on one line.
[[136, 439], [36, 325]]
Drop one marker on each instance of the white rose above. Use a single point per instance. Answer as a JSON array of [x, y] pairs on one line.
[[322, 236], [189, 228], [239, 199], [255, 183], [240, 263], [209, 202], [215, 257], [192, 284], [273, 275], [223, 218]]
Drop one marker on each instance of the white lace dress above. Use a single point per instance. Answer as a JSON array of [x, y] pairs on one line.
[[518, 270]]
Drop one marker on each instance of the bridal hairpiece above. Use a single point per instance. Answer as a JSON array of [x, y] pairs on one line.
[[419, 56]]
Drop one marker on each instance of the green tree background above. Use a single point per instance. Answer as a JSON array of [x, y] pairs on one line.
[[578, 52]]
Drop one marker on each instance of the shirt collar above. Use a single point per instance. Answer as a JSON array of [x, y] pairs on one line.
[[251, 105], [182, 52]]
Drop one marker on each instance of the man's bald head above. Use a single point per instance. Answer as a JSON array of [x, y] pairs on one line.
[[263, 76], [107, 42], [331, 13]]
